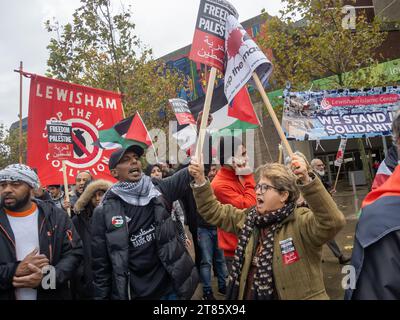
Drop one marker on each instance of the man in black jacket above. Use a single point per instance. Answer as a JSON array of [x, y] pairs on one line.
[[136, 249], [35, 238]]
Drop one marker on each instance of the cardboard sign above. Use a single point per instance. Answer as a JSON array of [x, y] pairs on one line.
[[208, 45], [182, 111], [59, 137]]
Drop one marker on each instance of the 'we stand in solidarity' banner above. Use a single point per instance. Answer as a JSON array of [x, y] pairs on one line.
[[340, 113]]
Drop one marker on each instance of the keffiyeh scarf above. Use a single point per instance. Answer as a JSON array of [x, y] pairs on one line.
[[20, 172], [135, 193], [263, 280]]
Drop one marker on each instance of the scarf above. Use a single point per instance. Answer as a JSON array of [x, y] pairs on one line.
[[135, 193], [263, 279], [20, 172]]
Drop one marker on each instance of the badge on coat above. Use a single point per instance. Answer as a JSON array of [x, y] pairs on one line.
[[289, 252], [117, 221]]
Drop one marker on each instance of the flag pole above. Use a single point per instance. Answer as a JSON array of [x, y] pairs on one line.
[[272, 114], [64, 170], [337, 178], [206, 112], [152, 144], [122, 104], [20, 110]]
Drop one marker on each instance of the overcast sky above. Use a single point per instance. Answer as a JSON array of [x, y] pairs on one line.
[[162, 25]]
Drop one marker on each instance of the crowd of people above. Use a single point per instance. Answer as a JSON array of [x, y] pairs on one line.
[[260, 233]]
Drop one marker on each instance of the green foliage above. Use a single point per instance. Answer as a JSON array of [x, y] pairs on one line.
[[318, 46], [9, 147], [99, 48]]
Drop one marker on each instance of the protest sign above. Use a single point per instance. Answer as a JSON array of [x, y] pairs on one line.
[[59, 137], [340, 153], [87, 110], [244, 58], [208, 45], [182, 112], [345, 113]]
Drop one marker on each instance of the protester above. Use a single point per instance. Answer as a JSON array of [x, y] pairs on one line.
[[386, 167], [376, 252], [41, 194], [279, 251], [213, 172], [81, 181], [233, 184], [319, 168], [211, 254], [57, 195], [136, 250], [33, 235], [84, 207], [154, 172]]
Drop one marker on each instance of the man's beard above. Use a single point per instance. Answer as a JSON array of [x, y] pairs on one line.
[[18, 204], [321, 172]]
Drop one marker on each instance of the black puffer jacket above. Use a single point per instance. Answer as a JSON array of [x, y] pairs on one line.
[[58, 240], [110, 245]]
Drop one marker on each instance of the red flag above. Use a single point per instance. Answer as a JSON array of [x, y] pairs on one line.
[[138, 131], [242, 108]]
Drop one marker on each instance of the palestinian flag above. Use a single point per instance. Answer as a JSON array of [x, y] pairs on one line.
[[239, 114], [129, 131]]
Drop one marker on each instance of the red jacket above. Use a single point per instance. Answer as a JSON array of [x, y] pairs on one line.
[[229, 190]]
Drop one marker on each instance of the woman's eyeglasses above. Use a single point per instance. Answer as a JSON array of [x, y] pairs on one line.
[[264, 187]]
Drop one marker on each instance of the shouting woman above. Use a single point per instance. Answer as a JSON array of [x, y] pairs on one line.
[[280, 246]]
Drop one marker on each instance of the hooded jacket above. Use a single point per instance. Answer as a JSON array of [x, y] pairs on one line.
[[83, 281], [58, 240]]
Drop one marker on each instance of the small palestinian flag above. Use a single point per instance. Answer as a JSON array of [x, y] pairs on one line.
[[129, 131]]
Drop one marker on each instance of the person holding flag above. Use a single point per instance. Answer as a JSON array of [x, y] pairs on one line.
[[280, 246], [376, 253], [136, 249], [319, 168]]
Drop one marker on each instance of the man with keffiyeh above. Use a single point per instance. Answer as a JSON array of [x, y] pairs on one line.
[[136, 249]]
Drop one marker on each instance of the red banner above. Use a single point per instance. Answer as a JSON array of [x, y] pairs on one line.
[[209, 38], [88, 110]]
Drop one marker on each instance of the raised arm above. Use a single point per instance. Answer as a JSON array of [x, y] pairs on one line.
[[225, 217], [324, 220]]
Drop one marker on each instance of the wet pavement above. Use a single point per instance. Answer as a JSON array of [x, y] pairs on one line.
[[349, 205]]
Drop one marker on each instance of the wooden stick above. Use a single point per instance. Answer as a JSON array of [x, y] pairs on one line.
[[20, 110], [272, 114], [122, 104], [64, 169], [206, 112], [337, 178]]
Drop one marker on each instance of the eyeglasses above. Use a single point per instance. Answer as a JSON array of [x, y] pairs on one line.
[[264, 187]]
